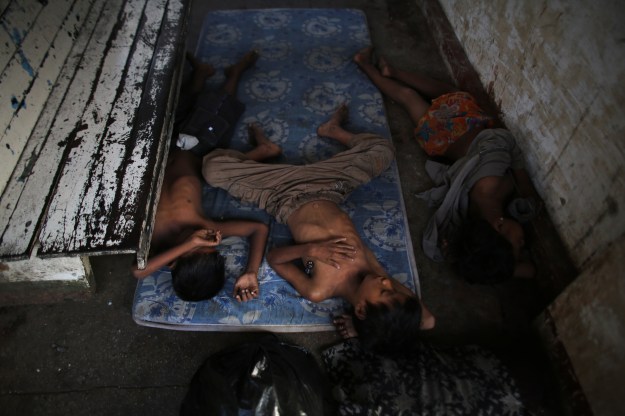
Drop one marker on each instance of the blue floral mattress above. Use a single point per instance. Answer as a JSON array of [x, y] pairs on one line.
[[304, 72]]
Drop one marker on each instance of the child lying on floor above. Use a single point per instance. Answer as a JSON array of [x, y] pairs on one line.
[[328, 258], [470, 226], [183, 238]]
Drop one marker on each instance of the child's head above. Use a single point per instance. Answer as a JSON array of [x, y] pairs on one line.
[[198, 276], [482, 254], [389, 328]]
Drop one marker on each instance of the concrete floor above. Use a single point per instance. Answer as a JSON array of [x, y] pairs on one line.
[[91, 358]]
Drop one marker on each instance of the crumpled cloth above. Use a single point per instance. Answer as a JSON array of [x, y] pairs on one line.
[[492, 153]]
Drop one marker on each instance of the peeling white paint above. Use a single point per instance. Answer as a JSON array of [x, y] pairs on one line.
[[74, 203], [24, 197], [26, 82], [79, 186], [123, 115], [17, 19]]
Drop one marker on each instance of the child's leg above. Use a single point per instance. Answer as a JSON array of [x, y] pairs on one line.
[[234, 72], [191, 88], [428, 87], [201, 72], [264, 147], [333, 127], [414, 104]]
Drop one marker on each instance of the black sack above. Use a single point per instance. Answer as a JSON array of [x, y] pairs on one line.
[[266, 377], [211, 121]]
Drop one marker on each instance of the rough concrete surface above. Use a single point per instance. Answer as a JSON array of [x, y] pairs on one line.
[[90, 358]]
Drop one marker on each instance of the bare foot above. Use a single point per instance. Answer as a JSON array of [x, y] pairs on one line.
[[364, 56], [244, 63], [200, 67], [265, 148], [345, 326], [385, 68], [335, 122]]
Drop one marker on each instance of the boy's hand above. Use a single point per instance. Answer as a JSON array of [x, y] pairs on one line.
[[206, 238], [333, 251], [246, 287]]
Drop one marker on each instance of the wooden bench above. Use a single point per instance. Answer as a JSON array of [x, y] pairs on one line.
[[89, 89]]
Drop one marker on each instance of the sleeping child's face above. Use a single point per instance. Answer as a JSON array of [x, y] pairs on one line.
[[381, 289]]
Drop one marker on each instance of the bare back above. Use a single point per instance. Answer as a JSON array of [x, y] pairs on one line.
[[180, 203]]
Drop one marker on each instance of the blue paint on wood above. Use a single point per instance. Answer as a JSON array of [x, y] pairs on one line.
[[16, 103], [26, 64], [16, 36]]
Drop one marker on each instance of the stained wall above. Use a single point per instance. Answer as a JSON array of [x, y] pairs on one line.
[[556, 70]]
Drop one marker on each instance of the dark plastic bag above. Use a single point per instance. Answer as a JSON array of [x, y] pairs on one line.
[[266, 377]]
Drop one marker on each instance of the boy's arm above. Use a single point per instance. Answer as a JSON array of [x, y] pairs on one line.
[[281, 260], [256, 233], [246, 286], [162, 259], [330, 252], [200, 238]]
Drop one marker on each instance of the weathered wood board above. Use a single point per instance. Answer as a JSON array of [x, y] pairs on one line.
[[91, 86]]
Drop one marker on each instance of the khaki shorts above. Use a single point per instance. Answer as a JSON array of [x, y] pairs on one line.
[[281, 189]]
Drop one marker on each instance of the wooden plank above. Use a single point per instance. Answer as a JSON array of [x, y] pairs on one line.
[[146, 149], [119, 197], [4, 4], [64, 227], [17, 76], [96, 209], [26, 196], [17, 19], [28, 79], [156, 121], [7, 48], [30, 46], [110, 219]]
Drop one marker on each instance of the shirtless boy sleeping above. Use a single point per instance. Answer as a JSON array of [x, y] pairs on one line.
[[184, 238], [337, 263]]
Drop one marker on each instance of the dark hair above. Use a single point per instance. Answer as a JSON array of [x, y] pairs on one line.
[[390, 329], [481, 254], [198, 276]]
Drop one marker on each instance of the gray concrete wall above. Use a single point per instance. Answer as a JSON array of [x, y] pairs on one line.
[[590, 322], [556, 70]]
